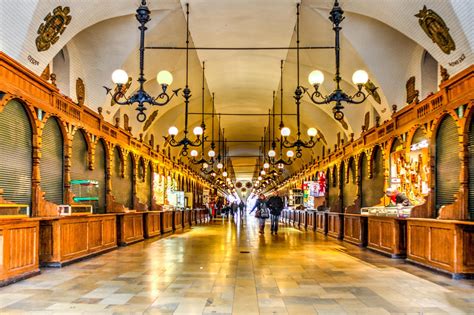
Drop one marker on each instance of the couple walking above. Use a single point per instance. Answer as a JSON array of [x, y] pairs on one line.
[[268, 208]]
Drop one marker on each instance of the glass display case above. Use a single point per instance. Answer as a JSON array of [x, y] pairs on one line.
[[12, 210], [397, 212], [295, 198], [75, 209], [85, 192]]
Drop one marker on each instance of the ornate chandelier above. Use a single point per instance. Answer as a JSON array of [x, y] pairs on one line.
[[359, 78], [121, 79]]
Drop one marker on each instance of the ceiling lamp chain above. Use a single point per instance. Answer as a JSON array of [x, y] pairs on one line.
[[299, 144], [359, 78], [173, 131], [122, 81]]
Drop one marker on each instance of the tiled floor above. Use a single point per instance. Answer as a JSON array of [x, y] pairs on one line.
[[224, 268]]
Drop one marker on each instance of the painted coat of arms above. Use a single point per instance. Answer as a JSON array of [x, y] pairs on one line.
[[53, 26], [435, 27]]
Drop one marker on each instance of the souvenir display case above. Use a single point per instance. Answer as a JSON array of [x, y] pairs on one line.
[[12, 210], [85, 192], [395, 212], [75, 209], [295, 198]]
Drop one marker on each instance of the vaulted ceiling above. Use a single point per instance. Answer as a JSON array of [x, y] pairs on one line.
[[382, 37]]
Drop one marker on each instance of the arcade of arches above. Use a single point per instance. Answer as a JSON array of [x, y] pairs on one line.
[[100, 212]]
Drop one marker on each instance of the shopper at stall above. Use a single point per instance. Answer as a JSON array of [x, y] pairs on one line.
[[262, 212], [275, 203], [396, 197]]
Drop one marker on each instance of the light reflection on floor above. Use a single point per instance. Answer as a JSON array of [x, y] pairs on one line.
[[228, 268]]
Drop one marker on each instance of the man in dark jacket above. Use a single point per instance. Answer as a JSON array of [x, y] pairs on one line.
[[275, 203]]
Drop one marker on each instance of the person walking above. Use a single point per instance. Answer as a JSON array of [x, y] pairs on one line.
[[275, 203], [262, 212], [234, 207], [241, 208]]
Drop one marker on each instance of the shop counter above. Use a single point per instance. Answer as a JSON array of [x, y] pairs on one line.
[[193, 217], [335, 225], [19, 247], [301, 219], [387, 235], [67, 239], [152, 223], [186, 215], [322, 222], [355, 229], [130, 228], [445, 245], [177, 220], [311, 220], [291, 217], [167, 221]]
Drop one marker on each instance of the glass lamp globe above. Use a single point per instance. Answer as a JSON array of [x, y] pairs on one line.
[[262, 172], [198, 131], [280, 165], [211, 153], [290, 154], [173, 131], [205, 165], [266, 165], [285, 131], [213, 174], [316, 77], [194, 153], [119, 76], [219, 165], [312, 132], [360, 77], [271, 153], [260, 178], [164, 77], [224, 174]]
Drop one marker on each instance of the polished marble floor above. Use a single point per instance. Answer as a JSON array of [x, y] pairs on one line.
[[228, 268]]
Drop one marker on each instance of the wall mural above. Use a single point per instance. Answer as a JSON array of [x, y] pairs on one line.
[[53, 26], [436, 29]]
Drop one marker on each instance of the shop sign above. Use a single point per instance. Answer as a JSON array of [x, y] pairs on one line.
[[420, 145]]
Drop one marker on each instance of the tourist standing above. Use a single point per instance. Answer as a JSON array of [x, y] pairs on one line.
[[275, 203]]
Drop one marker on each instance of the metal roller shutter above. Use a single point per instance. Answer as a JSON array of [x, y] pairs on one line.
[[143, 187], [15, 153], [121, 187], [79, 160], [378, 182], [350, 188], [98, 174], [448, 164], [333, 191], [471, 170], [52, 162]]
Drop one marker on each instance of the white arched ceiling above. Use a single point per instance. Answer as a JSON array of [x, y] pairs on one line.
[[382, 37]]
